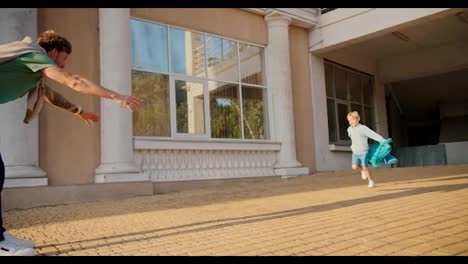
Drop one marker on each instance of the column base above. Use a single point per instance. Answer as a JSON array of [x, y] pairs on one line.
[[24, 176], [121, 177], [118, 167], [119, 172], [287, 164], [291, 172], [25, 182], [24, 172]]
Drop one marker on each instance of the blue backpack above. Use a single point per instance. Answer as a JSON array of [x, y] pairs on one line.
[[380, 153]]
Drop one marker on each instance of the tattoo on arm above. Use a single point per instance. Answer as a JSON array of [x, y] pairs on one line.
[[59, 101]]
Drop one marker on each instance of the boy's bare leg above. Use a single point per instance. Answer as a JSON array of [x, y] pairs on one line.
[[371, 182], [368, 173], [360, 169]]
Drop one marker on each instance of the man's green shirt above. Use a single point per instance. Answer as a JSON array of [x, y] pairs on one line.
[[21, 74]]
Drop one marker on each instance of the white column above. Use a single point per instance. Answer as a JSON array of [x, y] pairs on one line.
[[279, 80], [117, 163], [19, 141]]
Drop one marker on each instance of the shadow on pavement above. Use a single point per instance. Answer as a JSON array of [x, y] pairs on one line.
[[19, 218], [227, 222]]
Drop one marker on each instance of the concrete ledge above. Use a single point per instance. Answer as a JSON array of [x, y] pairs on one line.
[[28, 197]]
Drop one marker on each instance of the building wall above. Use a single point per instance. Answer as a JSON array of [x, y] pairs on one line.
[[302, 98], [69, 150], [64, 138], [456, 152], [227, 22]]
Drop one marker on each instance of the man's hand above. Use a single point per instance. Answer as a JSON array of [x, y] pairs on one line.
[[88, 118], [131, 102]]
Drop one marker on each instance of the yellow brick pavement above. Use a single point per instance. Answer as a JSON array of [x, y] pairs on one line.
[[416, 211]]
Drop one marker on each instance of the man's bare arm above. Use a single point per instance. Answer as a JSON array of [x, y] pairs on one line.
[[83, 85], [58, 100], [61, 102]]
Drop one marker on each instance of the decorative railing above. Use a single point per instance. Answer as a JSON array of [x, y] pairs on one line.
[[167, 165]]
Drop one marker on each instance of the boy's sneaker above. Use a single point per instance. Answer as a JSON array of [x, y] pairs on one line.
[[371, 184], [363, 175], [8, 248], [18, 241]]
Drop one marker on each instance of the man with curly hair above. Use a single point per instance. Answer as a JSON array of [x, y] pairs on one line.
[[23, 66]]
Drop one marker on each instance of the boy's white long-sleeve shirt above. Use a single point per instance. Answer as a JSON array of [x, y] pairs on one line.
[[359, 135]]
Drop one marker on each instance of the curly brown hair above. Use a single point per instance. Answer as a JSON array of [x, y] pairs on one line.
[[50, 40]]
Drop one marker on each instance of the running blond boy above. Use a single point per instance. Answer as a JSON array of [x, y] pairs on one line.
[[359, 134]]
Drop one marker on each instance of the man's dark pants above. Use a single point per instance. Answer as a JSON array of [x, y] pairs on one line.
[[2, 180]]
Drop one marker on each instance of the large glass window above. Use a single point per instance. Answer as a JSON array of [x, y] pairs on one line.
[[347, 90], [204, 85]]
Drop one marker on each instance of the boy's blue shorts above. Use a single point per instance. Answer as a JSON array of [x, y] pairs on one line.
[[358, 159]]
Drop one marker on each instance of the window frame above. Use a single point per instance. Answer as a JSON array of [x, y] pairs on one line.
[[348, 101], [175, 76]]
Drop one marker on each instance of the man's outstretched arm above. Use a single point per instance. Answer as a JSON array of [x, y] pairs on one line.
[[83, 85], [61, 102]]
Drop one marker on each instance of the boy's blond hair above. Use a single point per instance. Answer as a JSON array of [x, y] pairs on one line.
[[353, 114]]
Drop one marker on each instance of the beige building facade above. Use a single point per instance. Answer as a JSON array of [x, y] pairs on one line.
[[232, 93]]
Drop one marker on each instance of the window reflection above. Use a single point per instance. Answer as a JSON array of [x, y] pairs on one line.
[[190, 107], [251, 64], [255, 115], [225, 110], [187, 52], [222, 59], [149, 46]]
